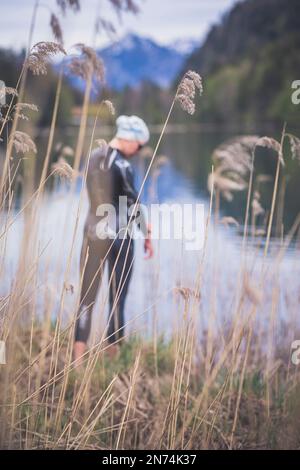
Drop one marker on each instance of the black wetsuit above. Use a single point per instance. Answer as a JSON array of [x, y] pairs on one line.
[[109, 176]]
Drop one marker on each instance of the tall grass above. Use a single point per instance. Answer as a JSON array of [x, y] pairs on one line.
[[220, 388]]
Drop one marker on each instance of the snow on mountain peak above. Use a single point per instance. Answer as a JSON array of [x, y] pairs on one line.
[[129, 41], [134, 59], [185, 45]]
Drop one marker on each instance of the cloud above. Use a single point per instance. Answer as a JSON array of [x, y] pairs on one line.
[[162, 20]]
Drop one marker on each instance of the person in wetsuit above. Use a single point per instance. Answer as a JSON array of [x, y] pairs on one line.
[[110, 179]]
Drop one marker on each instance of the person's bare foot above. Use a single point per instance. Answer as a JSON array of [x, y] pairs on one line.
[[112, 351], [78, 352]]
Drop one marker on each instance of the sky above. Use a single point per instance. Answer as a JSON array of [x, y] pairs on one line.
[[162, 20]]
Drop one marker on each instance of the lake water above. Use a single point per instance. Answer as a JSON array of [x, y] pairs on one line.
[[189, 154], [154, 301]]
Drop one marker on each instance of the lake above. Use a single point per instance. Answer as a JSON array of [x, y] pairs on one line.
[[189, 163], [155, 301]]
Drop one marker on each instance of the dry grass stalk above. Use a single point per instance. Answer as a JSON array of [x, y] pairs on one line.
[[263, 179], [226, 185], [36, 61], [295, 146], [159, 163], [22, 106], [56, 28], [280, 162], [64, 150], [11, 91], [229, 221], [65, 4], [186, 292], [40, 55], [51, 133], [76, 416], [87, 64], [235, 154], [125, 6], [22, 116], [256, 206], [233, 160], [23, 143], [186, 91], [272, 144], [109, 105], [131, 390], [257, 210], [63, 169], [252, 291], [102, 145], [106, 26]]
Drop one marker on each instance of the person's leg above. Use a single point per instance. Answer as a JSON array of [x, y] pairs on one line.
[[90, 283], [119, 286]]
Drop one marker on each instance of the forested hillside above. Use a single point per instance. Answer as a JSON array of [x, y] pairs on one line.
[[249, 61]]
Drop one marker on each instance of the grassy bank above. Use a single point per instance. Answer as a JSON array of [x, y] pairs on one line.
[[154, 395]]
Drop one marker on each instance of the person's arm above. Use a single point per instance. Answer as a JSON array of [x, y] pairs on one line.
[[95, 191], [132, 198]]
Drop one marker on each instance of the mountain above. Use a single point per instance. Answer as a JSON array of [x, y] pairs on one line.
[[249, 61], [135, 59], [185, 46]]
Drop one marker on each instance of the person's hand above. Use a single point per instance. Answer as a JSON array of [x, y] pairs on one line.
[[148, 248]]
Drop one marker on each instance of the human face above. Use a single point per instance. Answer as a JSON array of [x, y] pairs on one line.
[[132, 148], [129, 148]]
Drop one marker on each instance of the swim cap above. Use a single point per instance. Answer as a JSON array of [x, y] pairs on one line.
[[132, 128]]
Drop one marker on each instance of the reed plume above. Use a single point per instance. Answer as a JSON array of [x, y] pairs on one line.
[[125, 5], [40, 55], [295, 146], [64, 150], [106, 26], [56, 28], [63, 169], [227, 221], [270, 143], [235, 154], [257, 208], [11, 91], [88, 64], [65, 4], [252, 291], [23, 142], [102, 145], [186, 91], [109, 105], [22, 106]]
